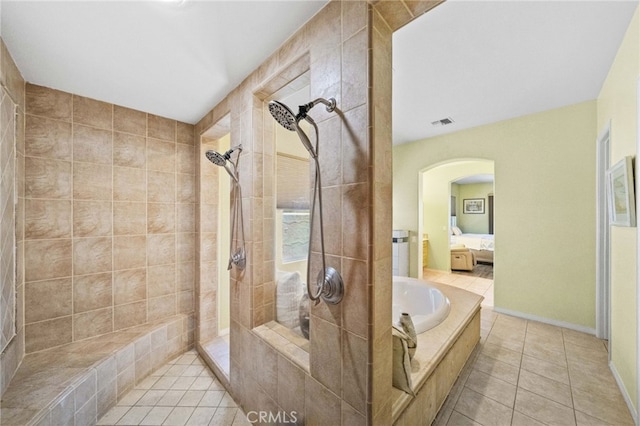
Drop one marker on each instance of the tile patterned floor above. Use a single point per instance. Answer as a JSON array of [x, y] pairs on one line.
[[182, 392], [530, 373], [522, 373]]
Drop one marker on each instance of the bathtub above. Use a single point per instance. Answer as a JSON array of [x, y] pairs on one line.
[[426, 305]]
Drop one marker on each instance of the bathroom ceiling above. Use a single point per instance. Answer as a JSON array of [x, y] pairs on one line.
[[173, 58], [475, 62], [480, 62]]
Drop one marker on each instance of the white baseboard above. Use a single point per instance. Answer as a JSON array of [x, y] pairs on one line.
[[557, 323], [625, 394]]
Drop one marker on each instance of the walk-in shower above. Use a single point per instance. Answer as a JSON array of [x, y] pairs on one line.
[[329, 285], [238, 255]]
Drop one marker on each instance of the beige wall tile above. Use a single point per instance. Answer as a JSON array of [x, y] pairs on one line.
[[92, 181], [185, 133], [129, 150], [48, 102], [161, 218], [355, 131], [46, 259], [130, 315], [129, 121], [161, 249], [355, 84], [161, 187], [129, 252], [92, 145], [162, 307], [186, 159], [129, 218], [355, 369], [92, 218], [186, 218], [355, 313], [47, 138], [129, 285], [47, 334], [161, 128], [186, 190], [92, 113], [291, 391], [47, 219], [47, 178], [161, 280], [47, 299], [161, 155], [355, 220], [317, 399], [92, 323], [325, 354], [92, 255], [92, 292], [186, 247]]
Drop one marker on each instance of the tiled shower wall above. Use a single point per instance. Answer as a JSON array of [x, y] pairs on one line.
[[336, 387], [109, 218], [12, 181]]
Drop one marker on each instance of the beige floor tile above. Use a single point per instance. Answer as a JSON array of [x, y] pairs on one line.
[[549, 352], [171, 398], [212, 398], [543, 409], [183, 383], [225, 416], [179, 416], [201, 383], [544, 330], [227, 401], [547, 369], [507, 342], [113, 415], [498, 369], [583, 339], [502, 354], [134, 416], [131, 397], [482, 409], [157, 416], [191, 398], [164, 382], [551, 389], [520, 419], [457, 419], [151, 397], [201, 416], [606, 406], [583, 419], [496, 389]]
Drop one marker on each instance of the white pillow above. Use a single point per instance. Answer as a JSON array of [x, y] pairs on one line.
[[456, 231], [289, 291]]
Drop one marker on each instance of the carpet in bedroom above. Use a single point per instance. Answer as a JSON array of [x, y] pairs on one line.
[[482, 270]]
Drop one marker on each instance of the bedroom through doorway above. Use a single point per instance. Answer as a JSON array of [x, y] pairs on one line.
[[458, 225]]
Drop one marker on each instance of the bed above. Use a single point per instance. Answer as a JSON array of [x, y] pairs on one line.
[[481, 244]]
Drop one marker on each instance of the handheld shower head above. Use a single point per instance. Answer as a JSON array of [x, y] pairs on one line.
[[216, 158], [223, 160]]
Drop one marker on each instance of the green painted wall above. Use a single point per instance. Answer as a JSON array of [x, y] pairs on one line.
[[477, 223], [617, 102], [545, 198]]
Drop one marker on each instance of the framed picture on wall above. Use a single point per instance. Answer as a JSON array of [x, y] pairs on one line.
[[473, 206], [620, 193]]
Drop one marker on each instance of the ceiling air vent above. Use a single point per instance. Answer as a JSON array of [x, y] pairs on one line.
[[442, 122]]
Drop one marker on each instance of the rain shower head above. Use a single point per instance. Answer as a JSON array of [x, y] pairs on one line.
[[283, 115]]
